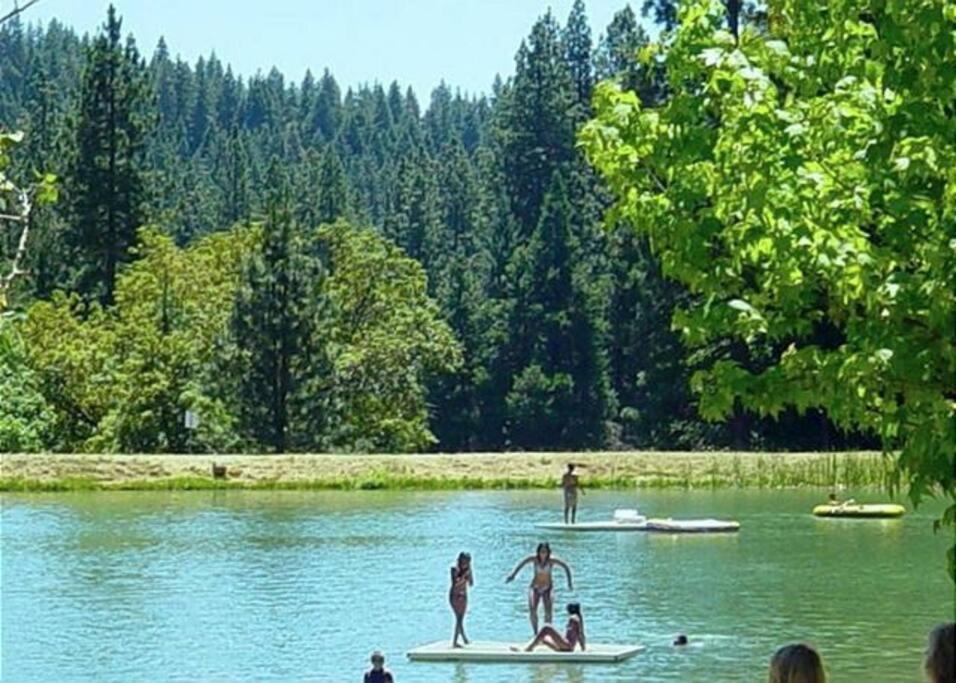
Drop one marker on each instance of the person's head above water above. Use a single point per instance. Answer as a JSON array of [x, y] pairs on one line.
[[464, 559], [940, 664], [543, 552], [574, 609], [796, 663], [833, 497], [378, 660], [681, 639]]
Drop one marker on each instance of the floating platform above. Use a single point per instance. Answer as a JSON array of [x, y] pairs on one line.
[[668, 526], [875, 511], [489, 651]]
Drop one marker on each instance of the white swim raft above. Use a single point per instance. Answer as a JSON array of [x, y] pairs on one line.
[[489, 651], [631, 520]]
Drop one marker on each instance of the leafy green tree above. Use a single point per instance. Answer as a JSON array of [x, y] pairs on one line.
[[385, 337], [107, 178], [26, 420], [736, 12], [800, 179], [121, 379]]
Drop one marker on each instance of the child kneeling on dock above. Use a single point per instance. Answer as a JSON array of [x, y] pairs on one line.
[[550, 636]]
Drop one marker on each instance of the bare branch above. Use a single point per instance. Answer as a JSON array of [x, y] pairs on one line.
[[16, 270], [17, 9]]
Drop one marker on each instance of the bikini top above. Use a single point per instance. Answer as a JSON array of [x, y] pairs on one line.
[[543, 568]]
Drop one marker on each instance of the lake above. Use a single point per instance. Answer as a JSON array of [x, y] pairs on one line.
[[288, 586]]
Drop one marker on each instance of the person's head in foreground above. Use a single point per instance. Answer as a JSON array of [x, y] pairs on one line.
[[378, 661], [940, 664], [681, 639], [543, 553], [797, 663]]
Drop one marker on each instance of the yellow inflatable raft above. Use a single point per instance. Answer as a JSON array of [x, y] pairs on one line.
[[857, 510]]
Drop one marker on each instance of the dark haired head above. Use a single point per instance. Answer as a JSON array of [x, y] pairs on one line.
[[464, 557], [545, 547], [941, 653], [570, 467], [681, 639], [796, 663], [574, 608]]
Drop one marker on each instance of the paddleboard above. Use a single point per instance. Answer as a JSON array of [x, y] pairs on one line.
[[673, 526]]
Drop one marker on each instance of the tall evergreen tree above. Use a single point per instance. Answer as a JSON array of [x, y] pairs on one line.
[[617, 57], [577, 49], [107, 177], [273, 330], [561, 397], [537, 131], [327, 110]]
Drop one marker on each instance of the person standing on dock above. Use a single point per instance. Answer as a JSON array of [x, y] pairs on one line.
[[542, 586], [571, 486], [461, 579]]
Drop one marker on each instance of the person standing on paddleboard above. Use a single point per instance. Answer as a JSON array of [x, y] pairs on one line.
[[571, 486], [542, 587]]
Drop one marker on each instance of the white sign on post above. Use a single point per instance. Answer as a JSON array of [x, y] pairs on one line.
[[191, 420]]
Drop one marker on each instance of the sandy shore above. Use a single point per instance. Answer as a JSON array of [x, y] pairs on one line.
[[492, 470]]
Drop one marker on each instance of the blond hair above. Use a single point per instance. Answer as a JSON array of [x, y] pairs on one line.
[[797, 663]]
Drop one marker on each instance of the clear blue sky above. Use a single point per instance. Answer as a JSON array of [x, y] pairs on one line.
[[417, 42]]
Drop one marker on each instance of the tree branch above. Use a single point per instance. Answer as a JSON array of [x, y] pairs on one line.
[[20, 255], [17, 9]]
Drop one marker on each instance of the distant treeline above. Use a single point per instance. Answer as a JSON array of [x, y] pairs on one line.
[[511, 315]]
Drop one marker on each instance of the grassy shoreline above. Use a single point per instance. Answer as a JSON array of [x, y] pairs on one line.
[[60, 473]]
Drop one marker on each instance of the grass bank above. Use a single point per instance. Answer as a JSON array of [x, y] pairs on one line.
[[59, 472]]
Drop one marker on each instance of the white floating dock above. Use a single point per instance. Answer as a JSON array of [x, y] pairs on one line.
[[488, 651], [669, 526]]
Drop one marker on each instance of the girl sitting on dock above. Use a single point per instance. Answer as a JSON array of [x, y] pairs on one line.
[[461, 578], [552, 638], [541, 585]]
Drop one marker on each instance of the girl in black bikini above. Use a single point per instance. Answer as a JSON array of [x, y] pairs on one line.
[[541, 585], [461, 578], [550, 636]]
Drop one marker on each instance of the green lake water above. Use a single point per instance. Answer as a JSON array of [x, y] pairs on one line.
[[290, 586]]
